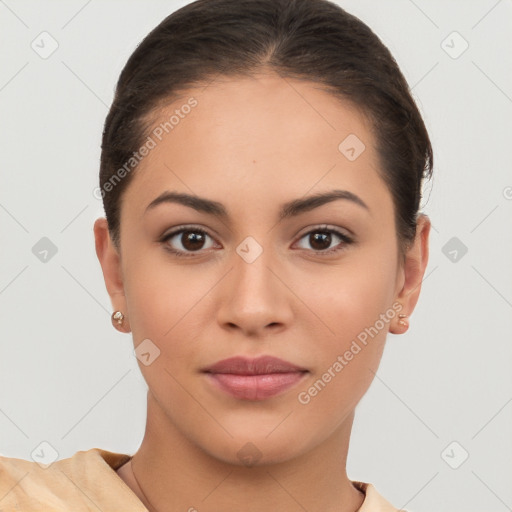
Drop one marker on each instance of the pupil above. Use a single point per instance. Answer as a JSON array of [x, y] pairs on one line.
[[321, 237]]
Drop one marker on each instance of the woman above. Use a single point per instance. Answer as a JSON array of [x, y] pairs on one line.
[[261, 174]]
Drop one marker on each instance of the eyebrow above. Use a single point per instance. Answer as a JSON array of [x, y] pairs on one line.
[[290, 209]]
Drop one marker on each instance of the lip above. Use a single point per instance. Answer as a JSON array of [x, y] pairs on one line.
[[254, 379]]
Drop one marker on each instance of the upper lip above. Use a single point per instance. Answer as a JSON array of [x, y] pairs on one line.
[[258, 366]]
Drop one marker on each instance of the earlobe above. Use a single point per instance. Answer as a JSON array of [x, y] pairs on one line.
[[415, 264], [110, 261]]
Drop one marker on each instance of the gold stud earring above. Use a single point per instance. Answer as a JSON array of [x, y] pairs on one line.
[[117, 319], [402, 322]]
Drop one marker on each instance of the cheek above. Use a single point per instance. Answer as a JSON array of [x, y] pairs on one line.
[[350, 296], [352, 307], [166, 304]]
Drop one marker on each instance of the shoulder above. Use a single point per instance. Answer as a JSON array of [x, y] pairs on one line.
[[86, 480], [373, 501]]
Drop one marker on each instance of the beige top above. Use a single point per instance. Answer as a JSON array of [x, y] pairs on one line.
[[88, 481]]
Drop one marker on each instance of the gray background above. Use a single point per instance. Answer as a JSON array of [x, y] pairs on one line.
[[69, 379]]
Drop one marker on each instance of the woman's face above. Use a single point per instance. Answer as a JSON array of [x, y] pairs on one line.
[[261, 269]]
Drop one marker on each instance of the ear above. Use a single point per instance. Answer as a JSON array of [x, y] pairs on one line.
[[412, 272], [110, 261]]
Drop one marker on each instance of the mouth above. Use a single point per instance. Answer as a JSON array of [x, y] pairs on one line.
[[254, 379]]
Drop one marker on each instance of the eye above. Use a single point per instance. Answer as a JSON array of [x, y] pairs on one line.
[[321, 239], [187, 241]]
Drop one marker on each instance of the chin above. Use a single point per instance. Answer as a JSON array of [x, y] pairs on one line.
[[257, 449]]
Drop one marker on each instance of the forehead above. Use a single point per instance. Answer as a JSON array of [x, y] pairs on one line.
[[279, 112], [246, 136]]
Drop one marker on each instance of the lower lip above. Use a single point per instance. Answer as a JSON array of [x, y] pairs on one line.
[[255, 387]]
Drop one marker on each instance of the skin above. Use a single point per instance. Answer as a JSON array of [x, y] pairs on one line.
[[253, 144]]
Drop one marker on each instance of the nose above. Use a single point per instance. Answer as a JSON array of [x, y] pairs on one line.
[[254, 298]]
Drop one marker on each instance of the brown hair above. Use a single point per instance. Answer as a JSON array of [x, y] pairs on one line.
[[313, 40]]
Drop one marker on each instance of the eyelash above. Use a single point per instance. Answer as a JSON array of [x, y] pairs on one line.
[[346, 240]]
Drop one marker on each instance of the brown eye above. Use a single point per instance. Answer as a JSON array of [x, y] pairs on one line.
[[185, 241], [321, 240], [192, 240]]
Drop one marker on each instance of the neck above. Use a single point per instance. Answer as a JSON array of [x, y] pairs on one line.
[[171, 473]]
